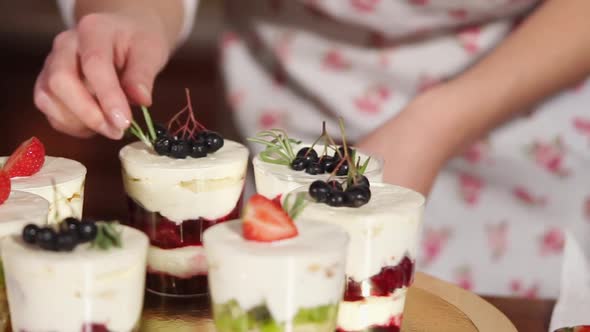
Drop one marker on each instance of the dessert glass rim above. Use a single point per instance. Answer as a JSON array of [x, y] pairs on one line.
[[303, 176]]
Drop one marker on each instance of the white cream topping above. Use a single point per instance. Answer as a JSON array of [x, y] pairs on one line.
[[303, 272], [22, 208], [87, 285], [381, 232], [183, 262], [183, 189], [359, 315], [273, 180], [67, 197]]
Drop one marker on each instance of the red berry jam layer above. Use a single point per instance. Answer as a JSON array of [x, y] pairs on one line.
[[166, 234], [93, 327], [382, 284], [394, 325]]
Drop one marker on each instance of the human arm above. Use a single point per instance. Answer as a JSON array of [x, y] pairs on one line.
[[108, 60], [549, 52]]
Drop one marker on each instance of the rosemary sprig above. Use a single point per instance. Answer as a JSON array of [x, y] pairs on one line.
[[149, 123], [279, 147], [298, 205], [108, 236], [135, 129]]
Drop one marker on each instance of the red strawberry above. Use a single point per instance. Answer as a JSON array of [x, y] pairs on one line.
[[266, 221], [4, 186], [27, 159]]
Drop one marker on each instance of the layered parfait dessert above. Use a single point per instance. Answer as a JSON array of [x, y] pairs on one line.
[[59, 180], [286, 163], [383, 222], [180, 180], [75, 276], [269, 274]]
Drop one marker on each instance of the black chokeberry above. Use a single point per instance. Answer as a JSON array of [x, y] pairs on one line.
[[46, 238], [179, 149], [335, 185], [299, 164], [314, 168], [66, 240], [319, 190], [198, 150], [70, 223], [160, 130], [361, 180], [336, 199], [341, 150], [213, 141], [343, 169], [357, 195], [30, 233], [87, 231], [329, 163], [162, 145], [200, 136], [308, 154]]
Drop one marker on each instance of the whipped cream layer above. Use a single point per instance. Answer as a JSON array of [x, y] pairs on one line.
[[381, 232], [20, 209], [67, 197], [183, 262], [372, 311], [303, 272], [62, 291], [185, 189], [273, 180]]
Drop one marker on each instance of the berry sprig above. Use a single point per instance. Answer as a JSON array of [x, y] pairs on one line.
[[332, 192], [279, 147], [184, 136]]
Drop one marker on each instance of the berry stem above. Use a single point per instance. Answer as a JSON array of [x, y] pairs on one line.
[[188, 127]]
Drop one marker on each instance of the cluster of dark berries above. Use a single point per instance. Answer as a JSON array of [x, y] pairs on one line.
[[70, 233], [307, 159], [198, 146], [356, 194]]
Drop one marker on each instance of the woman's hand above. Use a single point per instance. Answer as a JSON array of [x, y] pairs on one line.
[[97, 68]]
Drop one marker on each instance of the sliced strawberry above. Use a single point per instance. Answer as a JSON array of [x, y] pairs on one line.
[[27, 159], [266, 221], [4, 186]]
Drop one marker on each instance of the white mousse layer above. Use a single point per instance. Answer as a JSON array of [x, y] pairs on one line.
[[183, 189], [372, 311], [381, 232], [183, 262], [303, 272], [273, 180], [22, 208], [67, 197], [57, 291]]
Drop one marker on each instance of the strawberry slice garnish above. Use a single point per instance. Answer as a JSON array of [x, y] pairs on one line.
[[4, 186], [266, 221], [27, 159]]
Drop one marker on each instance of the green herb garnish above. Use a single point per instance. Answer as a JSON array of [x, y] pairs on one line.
[[108, 236], [298, 205], [279, 147]]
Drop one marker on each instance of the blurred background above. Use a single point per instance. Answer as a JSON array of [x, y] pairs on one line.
[[27, 28]]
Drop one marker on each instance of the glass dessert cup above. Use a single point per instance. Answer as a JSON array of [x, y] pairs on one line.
[[273, 181], [290, 285], [61, 182], [384, 235], [87, 289], [173, 201], [21, 208]]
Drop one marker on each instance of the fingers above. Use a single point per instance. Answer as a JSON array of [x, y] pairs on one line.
[[144, 60], [63, 98], [96, 50]]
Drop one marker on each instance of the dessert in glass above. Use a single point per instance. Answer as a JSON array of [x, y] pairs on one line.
[[384, 223], [75, 276], [287, 164], [179, 182], [59, 180], [268, 273]]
